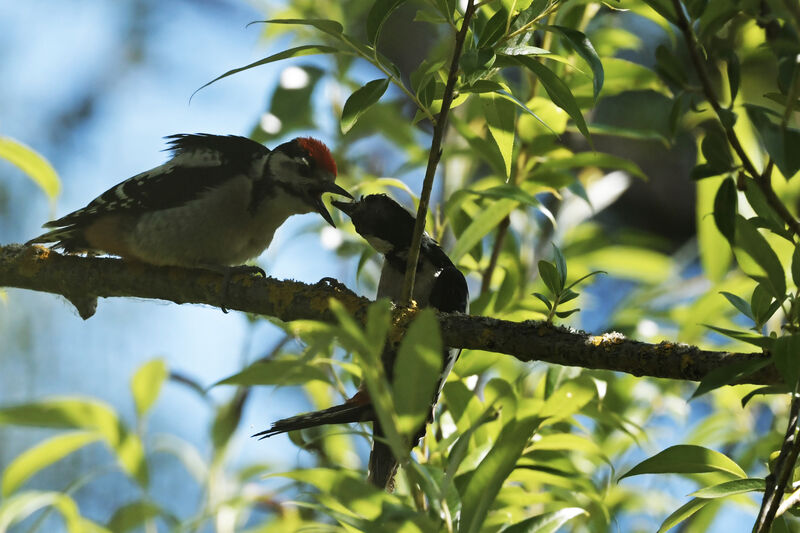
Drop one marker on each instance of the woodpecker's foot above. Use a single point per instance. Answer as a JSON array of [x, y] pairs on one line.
[[227, 275]]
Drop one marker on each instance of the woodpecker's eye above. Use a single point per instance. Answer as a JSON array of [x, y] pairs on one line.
[[304, 166]]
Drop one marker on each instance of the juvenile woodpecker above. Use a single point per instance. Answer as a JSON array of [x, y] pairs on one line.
[[215, 204], [389, 228]]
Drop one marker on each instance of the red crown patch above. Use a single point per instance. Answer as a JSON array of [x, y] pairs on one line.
[[319, 152]]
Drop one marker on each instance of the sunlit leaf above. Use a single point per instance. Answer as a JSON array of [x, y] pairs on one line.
[[360, 101], [135, 514], [417, 371], [43, 455], [756, 246], [682, 513], [547, 522], [481, 225], [558, 91], [686, 459], [298, 51], [500, 116], [146, 384], [32, 164], [19, 507], [583, 46], [285, 371], [729, 488]]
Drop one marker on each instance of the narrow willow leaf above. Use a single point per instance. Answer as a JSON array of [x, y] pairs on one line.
[[285, 371], [417, 371], [544, 299], [66, 413], [716, 150], [728, 374], [146, 384], [547, 522], [756, 246], [773, 389], [305, 50], [331, 27], [43, 455], [135, 514], [549, 274], [781, 143], [745, 336], [500, 116], [558, 91], [725, 206], [740, 304], [796, 265], [786, 354], [360, 101], [485, 482], [729, 488], [583, 46], [380, 11], [21, 506], [561, 265], [686, 459], [586, 159], [509, 191], [481, 225], [32, 164], [682, 513]]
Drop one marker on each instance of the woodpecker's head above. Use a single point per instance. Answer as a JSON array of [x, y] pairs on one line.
[[384, 223], [305, 168]]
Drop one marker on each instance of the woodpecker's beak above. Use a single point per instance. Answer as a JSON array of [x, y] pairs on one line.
[[332, 188], [346, 207]]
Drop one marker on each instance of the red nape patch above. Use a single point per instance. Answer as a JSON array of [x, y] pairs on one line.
[[319, 152]]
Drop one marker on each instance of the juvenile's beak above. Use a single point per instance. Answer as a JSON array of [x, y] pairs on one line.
[[330, 186], [346, 207]]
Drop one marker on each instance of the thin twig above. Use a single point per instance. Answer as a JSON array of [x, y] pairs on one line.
[[784, 466], [761, 179], [434, 155]]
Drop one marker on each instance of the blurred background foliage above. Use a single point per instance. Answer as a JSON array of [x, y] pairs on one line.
[[578, 124]]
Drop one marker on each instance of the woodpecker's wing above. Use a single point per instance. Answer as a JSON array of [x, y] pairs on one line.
[[449, 292], [200, 162]]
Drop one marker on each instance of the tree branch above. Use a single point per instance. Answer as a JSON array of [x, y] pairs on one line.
[[85, 278]]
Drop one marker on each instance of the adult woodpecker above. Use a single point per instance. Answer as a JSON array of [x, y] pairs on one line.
[[389, 228], [215, 204]]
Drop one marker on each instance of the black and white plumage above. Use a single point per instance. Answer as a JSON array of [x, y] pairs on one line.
[[389, 228], [216, 203]]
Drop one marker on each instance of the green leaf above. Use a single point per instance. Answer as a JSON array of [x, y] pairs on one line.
[[380, 11], [135, 514], [494, 28], [66, 413], [21, 506], [796, 265], [745, 336], [561, 265], [716, 150], [558, 91], [590, 159], [725, 205], [481, 225], [286, 371], [773, 389], [686, 459], [331, 27], [740, 304], [781, 143], [565, 314], [729, 488], [683, 512], [417, 371], [43, 455], [566, 401], [32, 164], [547, 522], [146, 384], [756, 246], [507, 191], [485, 482], [583, 47], [786, 354], [758, 201], [360, 101], [544, 299], [500, 116], [305, 50], [549, 274], [728, 374]]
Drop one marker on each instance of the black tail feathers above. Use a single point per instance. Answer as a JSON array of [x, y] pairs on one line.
[[339, 414]]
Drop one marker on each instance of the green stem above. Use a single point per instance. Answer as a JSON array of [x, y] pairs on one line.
[[434, 156]]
